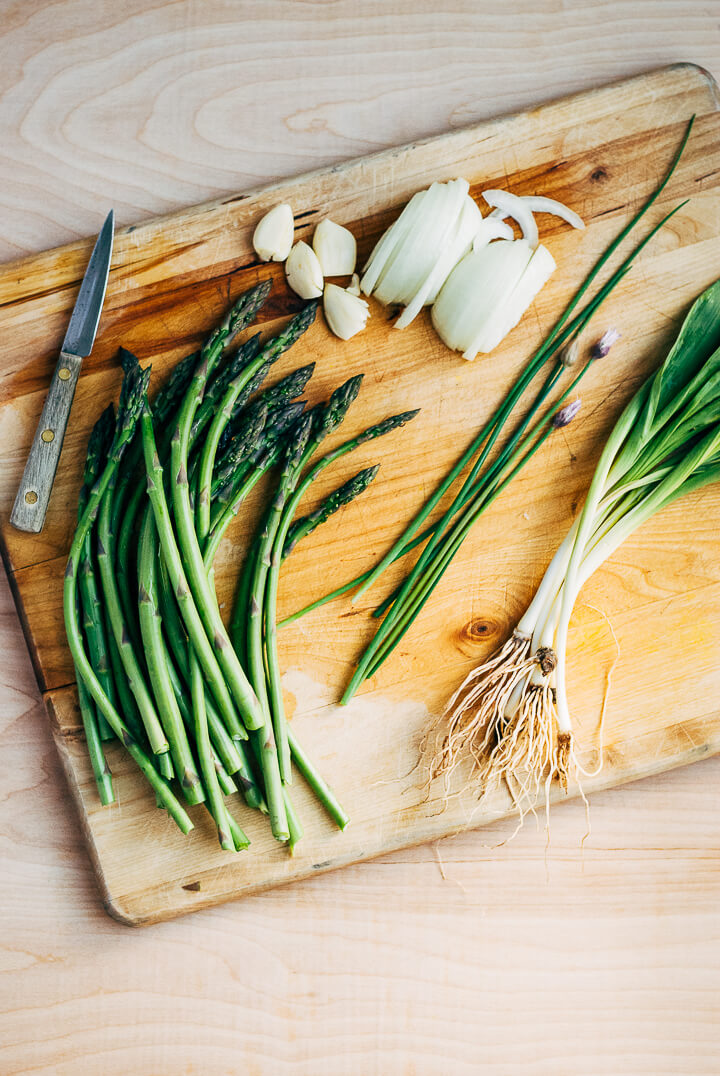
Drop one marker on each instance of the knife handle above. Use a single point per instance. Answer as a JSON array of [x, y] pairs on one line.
[[32, 498]]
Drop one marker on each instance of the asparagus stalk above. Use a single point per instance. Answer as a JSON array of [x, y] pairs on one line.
[[272, 350], [226, 500], [341, 496], [275, 398], [202, 601], [100, 768], [273, 769], [159, 673], [202, 739], [231, 753], [93, 625], [322, 791], [303, 527], [131, 399], [244, 355], [178, 580], [131, 664]]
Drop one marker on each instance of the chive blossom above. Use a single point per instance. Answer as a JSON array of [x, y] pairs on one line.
[[606, 341], [566, 414]]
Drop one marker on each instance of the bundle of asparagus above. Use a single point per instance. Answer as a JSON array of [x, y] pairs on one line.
[[156, 667]]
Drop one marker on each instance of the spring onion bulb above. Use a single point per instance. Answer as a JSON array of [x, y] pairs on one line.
[[488, 292], [511, 715]]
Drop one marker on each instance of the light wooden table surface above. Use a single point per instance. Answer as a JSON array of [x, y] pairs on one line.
[[462, 958]]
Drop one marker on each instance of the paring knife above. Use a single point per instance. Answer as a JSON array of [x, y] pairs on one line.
[[32, 498]]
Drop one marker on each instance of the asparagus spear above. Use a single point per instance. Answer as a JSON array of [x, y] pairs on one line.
[[245, 442], [100, 768], [230, 752], [131, 400], [322, 791], [217, 386], [98, 446], [178, 580], [379, 429], [225, 502], [274, 398], [159, 673], [273, 770], [123, 641], [346, 493], [93, 625], [272, 350]]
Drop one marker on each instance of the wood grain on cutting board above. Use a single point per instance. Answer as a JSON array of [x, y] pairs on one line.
[[602, 153]]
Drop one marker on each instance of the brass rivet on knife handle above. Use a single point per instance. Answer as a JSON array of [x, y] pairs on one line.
[[33, 494]]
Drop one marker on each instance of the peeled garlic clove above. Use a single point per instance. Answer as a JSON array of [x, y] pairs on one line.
[[303, 271], [336, 248], [354, 286], [273, 237], [346, 314]]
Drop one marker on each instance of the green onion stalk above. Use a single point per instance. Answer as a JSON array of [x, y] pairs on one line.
[[511, 715]]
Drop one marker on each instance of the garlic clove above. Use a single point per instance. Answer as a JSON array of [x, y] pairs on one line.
[[353, 287], [346, 314], [336, 248], [303, 271], [273, 236]]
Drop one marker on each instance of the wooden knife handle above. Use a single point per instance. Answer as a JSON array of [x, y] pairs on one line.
[[32, 498]]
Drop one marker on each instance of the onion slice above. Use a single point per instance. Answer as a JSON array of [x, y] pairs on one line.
[[388, 243], [467, 227], [539, 204], [411, 263], [535, 275], [475, 290], [517, 208]]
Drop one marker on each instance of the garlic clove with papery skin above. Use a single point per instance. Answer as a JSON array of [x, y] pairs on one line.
[[303, 272], [346, 314], [273, 236], [336, 248], [353, 287]]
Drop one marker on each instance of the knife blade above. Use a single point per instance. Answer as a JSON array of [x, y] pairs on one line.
[[33, 494]]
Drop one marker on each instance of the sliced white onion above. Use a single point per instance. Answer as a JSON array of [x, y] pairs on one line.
[[508, 313], [406, 270], [517, 208], [467, 227], [385, 246], [491, 228], [478, 285], [538, 204]]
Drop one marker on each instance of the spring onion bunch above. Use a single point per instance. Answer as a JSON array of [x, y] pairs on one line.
[[511, 715]]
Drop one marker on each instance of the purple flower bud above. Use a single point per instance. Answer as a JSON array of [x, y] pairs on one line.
[[566, 414], [606, 341]]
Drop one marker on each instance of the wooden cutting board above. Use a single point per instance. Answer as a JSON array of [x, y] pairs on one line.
[[648, 623]]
